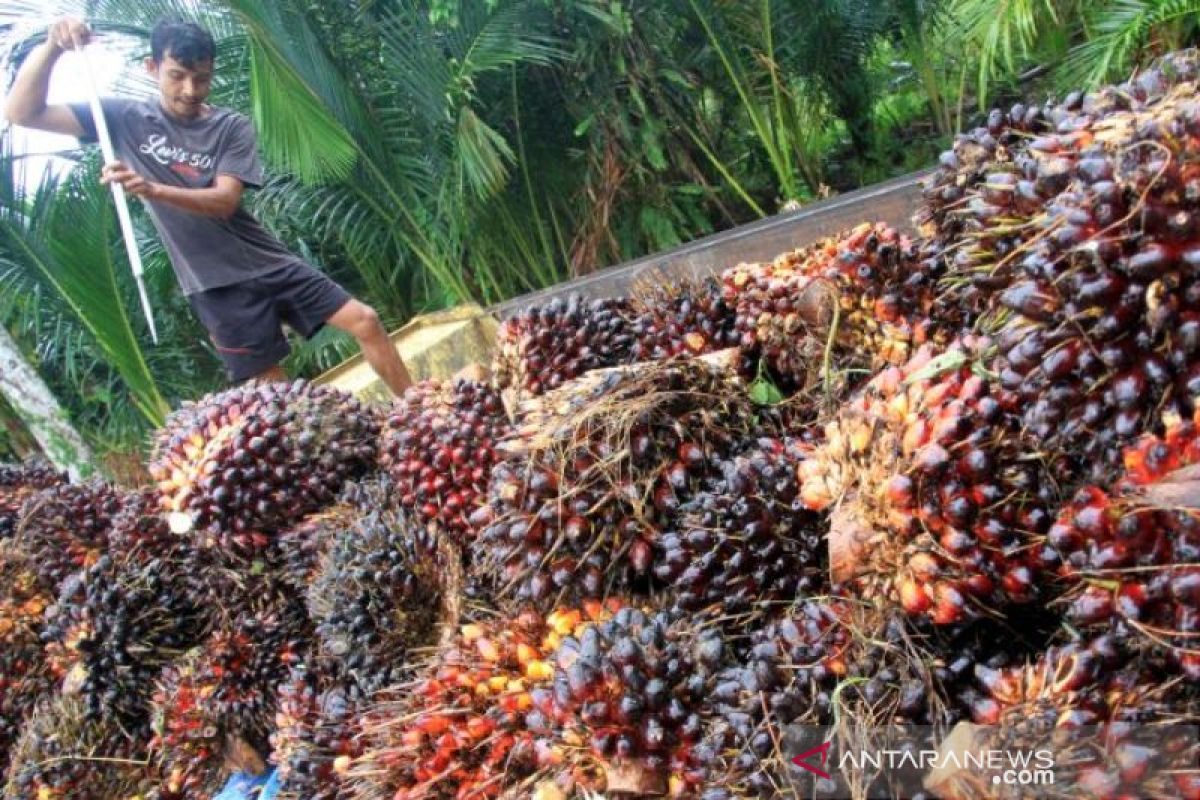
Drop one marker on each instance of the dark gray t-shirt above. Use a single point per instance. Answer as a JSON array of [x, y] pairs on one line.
[[207, 252]]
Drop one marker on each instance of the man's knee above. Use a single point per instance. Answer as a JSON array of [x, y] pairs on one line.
[[370, 323], [359, 319]]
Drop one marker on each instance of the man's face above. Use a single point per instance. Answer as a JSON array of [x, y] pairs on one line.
[[182, 90]]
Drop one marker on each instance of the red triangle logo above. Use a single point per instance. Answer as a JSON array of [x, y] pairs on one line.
[[823, 750]]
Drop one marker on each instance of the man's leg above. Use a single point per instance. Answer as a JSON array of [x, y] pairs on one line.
[[360, 321]]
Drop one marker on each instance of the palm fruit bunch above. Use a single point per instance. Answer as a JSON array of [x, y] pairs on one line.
[[439, 447], [459, 730], [303, 545], [1080, 250], [1132, 555], [597, 470], [939, 486], [113, 628], [239, 465], [17, 484], [221, 696], [376, 596], [690, 319], [62, 754], [1108, 727], [838, 661], [632, 690], [313, 741], [745, 540], [24, 674], [65, 528], [141, 527], [859, 292], [543, 347]]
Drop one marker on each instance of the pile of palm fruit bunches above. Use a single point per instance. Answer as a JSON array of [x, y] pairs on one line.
[[617, 569]]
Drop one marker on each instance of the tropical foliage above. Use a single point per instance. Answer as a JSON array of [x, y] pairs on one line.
[[433, 152]]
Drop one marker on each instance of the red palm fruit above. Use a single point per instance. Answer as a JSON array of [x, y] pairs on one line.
[[859, 284], [459, 728], [1131, 556], [1070, 249], [1104, 723], [314, 735], [239, 465], [25, 675], [930, 459], [65, 528], [688, 320], [449, 431], [222, 695], [545, 346]]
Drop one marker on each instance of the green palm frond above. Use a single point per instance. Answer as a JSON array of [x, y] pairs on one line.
[[1118, 32], [300, 133], [484, 155], [1004, 31], [60, 235]]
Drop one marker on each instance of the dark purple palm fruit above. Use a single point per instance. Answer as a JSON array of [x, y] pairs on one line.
[[65, 528], [25, 675], [544, 346], [438, 448], [692, 319], [17, 484], [376, 597], [314, 737], [745, 542], [596, 472], [239, 465]]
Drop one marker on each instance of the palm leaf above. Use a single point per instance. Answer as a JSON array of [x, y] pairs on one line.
[[300, 134], [1119, 30], [60, 235], [1003, 31]]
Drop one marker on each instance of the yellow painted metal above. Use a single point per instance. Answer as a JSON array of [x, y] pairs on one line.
[[434, 345]]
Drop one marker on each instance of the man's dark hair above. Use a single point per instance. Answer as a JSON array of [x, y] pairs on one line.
[[186, 42]]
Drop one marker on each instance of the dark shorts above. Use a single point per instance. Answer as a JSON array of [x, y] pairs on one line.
[[245, 320]]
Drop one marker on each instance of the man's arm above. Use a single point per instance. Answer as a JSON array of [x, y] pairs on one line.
[[27, 100], [219, 200]]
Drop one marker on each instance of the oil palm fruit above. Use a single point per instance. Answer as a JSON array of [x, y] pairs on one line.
[[745, 540], [239, 465], [544, 346], [113, 628], [222, 694], [1078, 247], [596, 471], [691, 319], [314, 737], [1108, 726], [375, 598], [303, 545], [25, 676], [17, 484], [65, 528], [459, 729], [1132, 555], [62, 754], [439, 447], [931, 461], [860, 292], [632, 688]]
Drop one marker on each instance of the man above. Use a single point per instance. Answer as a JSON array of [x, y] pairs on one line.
[[190, 162]]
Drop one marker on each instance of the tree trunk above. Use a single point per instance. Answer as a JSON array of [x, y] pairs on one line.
[[43, 417]]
